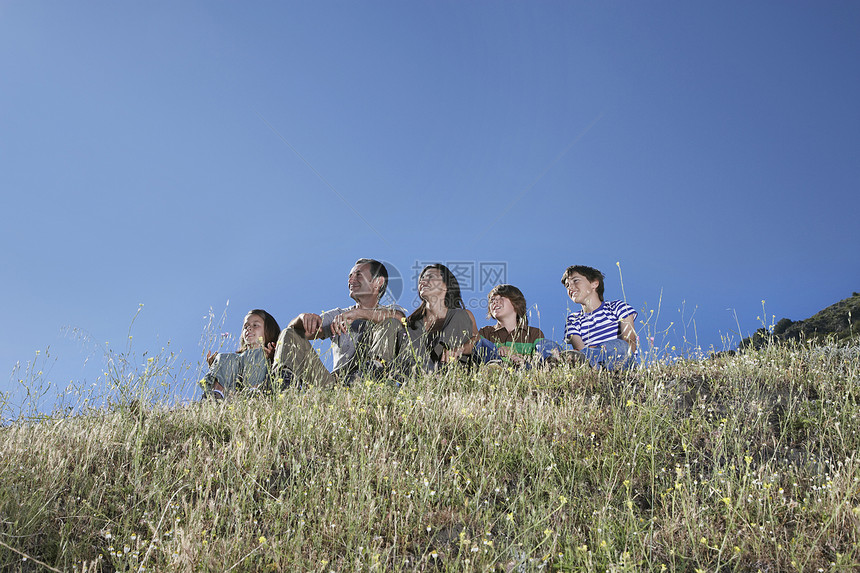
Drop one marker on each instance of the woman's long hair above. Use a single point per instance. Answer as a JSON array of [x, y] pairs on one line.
[[453, 299]]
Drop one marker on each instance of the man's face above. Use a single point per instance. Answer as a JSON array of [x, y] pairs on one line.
[[361, 283]]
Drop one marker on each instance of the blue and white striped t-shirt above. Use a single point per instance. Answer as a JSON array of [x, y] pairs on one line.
[[598, 326]]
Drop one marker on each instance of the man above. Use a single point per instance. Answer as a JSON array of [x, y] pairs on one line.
[[364, 336]]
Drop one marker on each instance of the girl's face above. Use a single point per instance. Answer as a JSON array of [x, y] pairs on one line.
[[501, 307], [253, 330], [431, 284]]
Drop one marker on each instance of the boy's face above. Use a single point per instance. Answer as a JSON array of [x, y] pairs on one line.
[[501, 307], [579, 288]]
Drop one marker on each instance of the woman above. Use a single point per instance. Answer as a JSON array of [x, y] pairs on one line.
[[440, 330]]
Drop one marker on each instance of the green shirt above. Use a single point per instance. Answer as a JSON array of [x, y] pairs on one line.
[[522, 340]]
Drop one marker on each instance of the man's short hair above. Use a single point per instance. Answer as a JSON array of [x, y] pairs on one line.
[[590, 273], [377, 269]]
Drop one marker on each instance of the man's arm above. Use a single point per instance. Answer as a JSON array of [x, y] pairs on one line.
[[627, 332], [373, 314], [576, 341], [341, 322], [308, 325]]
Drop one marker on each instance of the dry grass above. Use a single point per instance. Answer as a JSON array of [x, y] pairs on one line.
[[737, 463]]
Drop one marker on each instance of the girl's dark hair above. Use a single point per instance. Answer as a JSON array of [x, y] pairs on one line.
[[271, 330], [591, 274], [518, 301], [453, 299]]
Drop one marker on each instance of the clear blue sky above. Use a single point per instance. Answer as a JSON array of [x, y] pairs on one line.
[[149, 153]]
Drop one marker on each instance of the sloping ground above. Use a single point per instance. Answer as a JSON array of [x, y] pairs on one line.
[[739, 463], [840, 321]]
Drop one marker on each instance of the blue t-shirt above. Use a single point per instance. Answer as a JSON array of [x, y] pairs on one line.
[[598, 326]]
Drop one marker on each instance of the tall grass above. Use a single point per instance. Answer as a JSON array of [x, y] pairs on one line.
[[736, 463]]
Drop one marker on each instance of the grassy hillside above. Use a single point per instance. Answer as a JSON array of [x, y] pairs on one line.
[[739, 463], [839, 321]]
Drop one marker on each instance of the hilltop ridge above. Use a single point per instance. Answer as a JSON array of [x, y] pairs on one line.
[[840, 321]]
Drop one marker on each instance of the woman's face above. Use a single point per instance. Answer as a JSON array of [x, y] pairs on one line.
[[254, 330], [431, 284]]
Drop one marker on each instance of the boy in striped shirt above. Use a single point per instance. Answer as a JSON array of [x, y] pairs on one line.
[[603, 331]]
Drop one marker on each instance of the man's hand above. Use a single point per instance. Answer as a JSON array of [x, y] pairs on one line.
[[309, 324], [340, 324]]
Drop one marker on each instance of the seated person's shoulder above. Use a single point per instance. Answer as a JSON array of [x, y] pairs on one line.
[[459, 314], [621, 308], [329, 315], [395, 308], [488, 332], [462, 318], [535, 333]]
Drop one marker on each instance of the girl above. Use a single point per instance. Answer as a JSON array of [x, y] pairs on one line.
[[511, 339], [440, 330], [248, 367]]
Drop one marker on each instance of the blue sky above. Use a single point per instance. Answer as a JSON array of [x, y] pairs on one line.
[[180, 155]]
